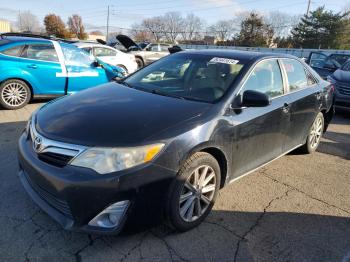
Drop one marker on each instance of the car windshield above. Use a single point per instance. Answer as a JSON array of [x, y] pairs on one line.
[[340, 58], [188, 76]]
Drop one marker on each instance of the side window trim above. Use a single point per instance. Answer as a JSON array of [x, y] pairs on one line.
[[22, 46], [287, 80], [25, 47], [254, 67]]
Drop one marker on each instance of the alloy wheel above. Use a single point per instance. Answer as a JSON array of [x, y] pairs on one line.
[[197, 193], [316, 133], [14, 94]]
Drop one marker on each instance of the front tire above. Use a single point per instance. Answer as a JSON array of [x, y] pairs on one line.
[[14, 94], [194, 191], [314, 136], [139, 62]]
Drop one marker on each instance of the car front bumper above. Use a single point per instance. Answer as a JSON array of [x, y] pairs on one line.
[[73, 196]]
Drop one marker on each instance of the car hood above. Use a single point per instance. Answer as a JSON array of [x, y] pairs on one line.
[[126, 41], [113, 115], [343, 76]]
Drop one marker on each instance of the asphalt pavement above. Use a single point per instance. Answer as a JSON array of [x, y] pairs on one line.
[[295, 209]]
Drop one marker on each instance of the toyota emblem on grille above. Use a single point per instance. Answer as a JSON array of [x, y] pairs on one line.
[[37, 143]]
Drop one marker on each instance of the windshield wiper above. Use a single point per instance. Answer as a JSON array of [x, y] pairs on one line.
[[158, 92], [125, 84]]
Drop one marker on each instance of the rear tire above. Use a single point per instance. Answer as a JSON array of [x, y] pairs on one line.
[[314, 136], [194, 191], [14, 94]]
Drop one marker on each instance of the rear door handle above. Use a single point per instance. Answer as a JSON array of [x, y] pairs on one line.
[[33, 66], [286, 108]]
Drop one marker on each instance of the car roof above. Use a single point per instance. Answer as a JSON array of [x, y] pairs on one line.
[[20, 39], [240, 55], [87, 44]]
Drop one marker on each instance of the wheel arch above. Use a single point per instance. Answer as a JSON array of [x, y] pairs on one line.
[[219, 156]]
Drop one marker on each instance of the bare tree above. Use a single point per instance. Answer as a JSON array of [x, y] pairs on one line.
[[155, 26], [192, 26], [27, 22], [281, 23], [223, 29], [76, 27], [173, 25]]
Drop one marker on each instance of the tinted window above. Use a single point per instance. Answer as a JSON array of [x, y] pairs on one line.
[[266, 78], [13, 51], [101, 51], [296, 74], [346, 66], [318, 60], [87, 49], [340, 58], [310, 78], [44, 52], [154, 48], [164, 48], [196, 77]]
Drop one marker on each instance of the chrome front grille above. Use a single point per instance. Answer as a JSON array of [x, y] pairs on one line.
[[52, 152]]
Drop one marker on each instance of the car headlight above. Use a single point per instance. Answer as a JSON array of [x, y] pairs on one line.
[[107, 160]]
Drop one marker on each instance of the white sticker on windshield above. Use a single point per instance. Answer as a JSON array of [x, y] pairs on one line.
[[224, 60]]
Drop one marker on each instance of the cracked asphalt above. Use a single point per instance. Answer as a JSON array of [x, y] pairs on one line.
[[295, 209]]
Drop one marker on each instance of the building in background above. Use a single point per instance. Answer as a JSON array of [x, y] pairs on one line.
[[95, 37], [5, 26]]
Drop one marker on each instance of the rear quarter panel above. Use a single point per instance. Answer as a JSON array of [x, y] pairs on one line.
[[9, 69]]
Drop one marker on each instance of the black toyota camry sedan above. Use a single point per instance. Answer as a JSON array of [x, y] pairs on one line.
[[166, 139]]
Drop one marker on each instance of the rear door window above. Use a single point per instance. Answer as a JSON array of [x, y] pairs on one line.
[[266, 78], [43, 52], [13, 51], [101, 51], [296, 74]]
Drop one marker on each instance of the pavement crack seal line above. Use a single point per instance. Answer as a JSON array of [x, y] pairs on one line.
[[137, 246], [223, 227], [77, 254], [257, 222], [170, 249], [304, 193]]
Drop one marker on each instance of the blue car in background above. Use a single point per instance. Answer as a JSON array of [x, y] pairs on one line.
[[39, 67]]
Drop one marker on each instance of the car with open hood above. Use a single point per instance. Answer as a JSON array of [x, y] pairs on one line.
[[162, 142], [110, 55], [144, 54]]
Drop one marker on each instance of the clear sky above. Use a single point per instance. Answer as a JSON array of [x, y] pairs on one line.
[[125, 13]]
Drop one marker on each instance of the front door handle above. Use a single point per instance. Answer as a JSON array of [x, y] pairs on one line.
[[286, 108], [33, 66]]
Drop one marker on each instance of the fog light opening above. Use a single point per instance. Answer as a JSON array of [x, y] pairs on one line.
[[111, 216]]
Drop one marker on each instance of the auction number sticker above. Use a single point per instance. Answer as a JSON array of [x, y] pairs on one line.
[[224, 60]]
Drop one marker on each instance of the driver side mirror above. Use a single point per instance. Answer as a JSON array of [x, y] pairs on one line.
[[253, 98], [96, 64]]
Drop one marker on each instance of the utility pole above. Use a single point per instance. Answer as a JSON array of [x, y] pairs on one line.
[[107, 23], [308, 7]]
